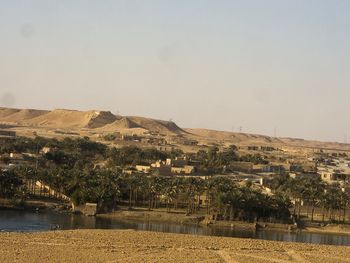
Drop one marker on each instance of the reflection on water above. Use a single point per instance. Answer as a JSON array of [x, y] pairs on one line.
[[11, 220]]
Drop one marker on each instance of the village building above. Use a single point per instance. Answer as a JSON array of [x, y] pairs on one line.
[[187, 169], [134, 138], [7, 136], [165, 148], [334, 175], [246, 167], [253, 148], [7, 133], [295, 175], [271, 168], [172, 166], [177, 162], [143, 168]]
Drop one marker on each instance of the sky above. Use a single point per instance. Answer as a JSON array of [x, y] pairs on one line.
[[270, 67]]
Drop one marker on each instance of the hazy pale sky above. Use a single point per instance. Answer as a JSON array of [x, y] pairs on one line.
[[203, 63]]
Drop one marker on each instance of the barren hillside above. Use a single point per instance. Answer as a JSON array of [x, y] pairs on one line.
[[246, 139], [160, 126], [64, 119], [19, 115], [96, 122], [102, 121]]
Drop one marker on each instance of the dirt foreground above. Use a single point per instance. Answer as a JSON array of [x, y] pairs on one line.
[[136, 246]]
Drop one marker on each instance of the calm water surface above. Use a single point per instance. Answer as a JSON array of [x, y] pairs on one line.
[[11, 220]]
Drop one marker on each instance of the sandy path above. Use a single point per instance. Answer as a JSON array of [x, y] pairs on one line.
[[134, 246]]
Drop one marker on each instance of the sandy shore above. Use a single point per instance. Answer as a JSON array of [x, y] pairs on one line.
[[137, 246]]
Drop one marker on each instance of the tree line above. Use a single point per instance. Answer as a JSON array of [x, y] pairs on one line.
[[89, 171], [220, 197], [331, 200]]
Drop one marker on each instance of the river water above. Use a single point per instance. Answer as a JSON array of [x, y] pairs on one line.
[[25, 221]]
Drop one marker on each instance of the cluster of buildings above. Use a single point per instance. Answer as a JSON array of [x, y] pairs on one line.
[[178, 166], [338, 171], [249, 167], [154, 139], [158, 141], [330, 167], [258, 148]]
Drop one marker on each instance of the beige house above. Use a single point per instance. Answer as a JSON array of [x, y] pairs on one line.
[[334, 176], [187, 169], [143, 168]]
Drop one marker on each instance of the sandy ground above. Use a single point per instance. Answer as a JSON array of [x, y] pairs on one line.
[[137, 246]]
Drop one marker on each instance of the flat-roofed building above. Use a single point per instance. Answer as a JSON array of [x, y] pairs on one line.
[[6, 135]]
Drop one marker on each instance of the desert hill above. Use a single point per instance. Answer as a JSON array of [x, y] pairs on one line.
[[123, 123], [100, 122], [160, 126], [19, 115], [65, 119], [238, 138], [104, 121], [245, 139]]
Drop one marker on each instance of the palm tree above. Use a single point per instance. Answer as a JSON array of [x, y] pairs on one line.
[[220, 189], [344, 202], [296, 190], [10, 184], [29, 175], [107, 190], [333, 199], [312, 189], [192, 189], [154, 189]]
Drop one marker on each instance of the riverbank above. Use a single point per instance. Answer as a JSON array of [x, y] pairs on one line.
[[34, 205], [329, 229], [138, 246], [174, 217], [179, 217], [200, 220]]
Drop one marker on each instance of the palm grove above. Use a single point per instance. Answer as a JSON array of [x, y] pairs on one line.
[[89, 171]]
